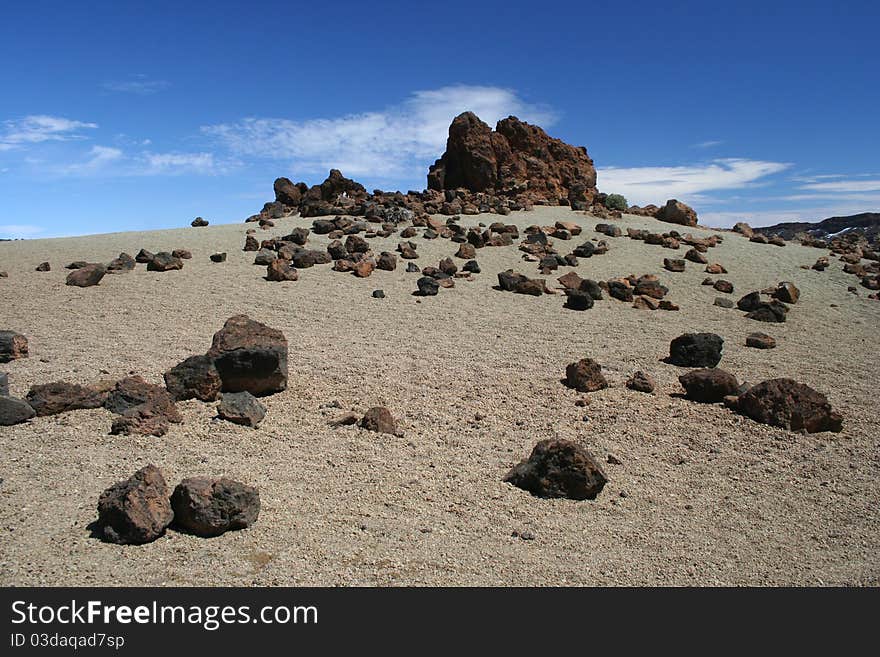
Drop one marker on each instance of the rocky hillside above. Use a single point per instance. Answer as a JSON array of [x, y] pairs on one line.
[[866, 224]]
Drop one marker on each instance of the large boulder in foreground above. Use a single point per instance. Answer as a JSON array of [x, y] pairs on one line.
[[12, 346], [676, 212], [696, 350], [210, 507], [250, 356], [559, 468], [788, 404], [513, 158], [136, 510]]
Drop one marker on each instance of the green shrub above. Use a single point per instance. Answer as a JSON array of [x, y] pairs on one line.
[[615, 202]]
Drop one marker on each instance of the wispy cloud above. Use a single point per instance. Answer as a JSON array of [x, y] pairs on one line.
[[844, 186], [109, 161], [39, 128], [395, 143], [643, 185], [707, 144], [140, 85], [19, 231]]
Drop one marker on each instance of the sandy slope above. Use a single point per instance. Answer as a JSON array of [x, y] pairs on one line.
[[702, 496]]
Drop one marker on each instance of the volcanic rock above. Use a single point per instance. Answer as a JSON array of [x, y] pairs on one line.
[[210, 507], [86, 276], [250, 356], [279, 270], [696, 350], [241, 408], [676, 212], [198, 222], [674, 265], [218, 257], [709, 385], [195, 377], [760, 341], [164, 261], [60, 397], [137, 510], [559, 468], [791, 405], [787, 292], [585, 376], [379, 419], [14, 411], [641, 382], [12, 346]]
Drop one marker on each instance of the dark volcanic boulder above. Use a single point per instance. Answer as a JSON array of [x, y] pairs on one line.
[[164, 261], [241, 408], [791, 405], [210, 507], [772, 311], [218, 257], [749, 302], [14, 411], [195, 377], [428, 287], [132, 392], [512, 159], [12, 346], [250, 356], [4, 384], [709, 385], [287, 193], [787, 292], [143, 256], [60, 397], [676, 212], [136, 510], [578, 300], [123, 263], [86, 276], [559, 468], [696, 350], [585, 376], [198, 222]]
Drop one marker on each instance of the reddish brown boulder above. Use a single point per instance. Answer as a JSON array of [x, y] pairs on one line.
[[386, 261], [673, 264], [251, 244], [743, 229], [585, 376], [164, 261], [86, 276], [137, 510], [210, 507], [12, 346], [364, 268], [500, 162], [709, 385], [132, 392], [379, 419], [250, 356], [676, 212], [787, 292], [279, 270], [760, 341], [559, 468], [60, 397], [791, 405], [44, 266]]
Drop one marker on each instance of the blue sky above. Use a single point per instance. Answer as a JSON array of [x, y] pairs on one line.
[[126, 116]]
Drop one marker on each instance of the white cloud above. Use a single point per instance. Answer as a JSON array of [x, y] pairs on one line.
[[107, 161], [708, 144], [19, 231], [175, 163], [141, 85], [396, 143], [642, 185], [844, 186], [40, 128], [98, 158]]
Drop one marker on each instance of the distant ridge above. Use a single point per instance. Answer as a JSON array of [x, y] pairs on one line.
[[866, 223]]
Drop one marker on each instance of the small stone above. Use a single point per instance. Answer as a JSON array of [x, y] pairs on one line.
[[241, 408], [218, 257], [378, 294], [641, 382], [379, 419]]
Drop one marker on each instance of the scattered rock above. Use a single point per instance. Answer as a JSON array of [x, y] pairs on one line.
[[723, 286], [143, 256], [641, 382], [709, 385], [198, 222], [44, 266], [183, 254], [743, 229], [12, 346], [585, 376], [196, 377], [787, 292], [559, 468], [723, 302], [428, 286], [210, 507], [241, 408], [791, 405], [218, 257], [379, 419], [760, 341], [378, 294], [86, 276], [387, 261], [14, 411], [676, 212], [279, 270], [696, 350], [136, 510], [578, 300], [675, 265], [250, 356], [772, 311], [61, 397], [164, 261], [4, 384]]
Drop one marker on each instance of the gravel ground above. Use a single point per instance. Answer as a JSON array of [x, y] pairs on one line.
[[701, 497]]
